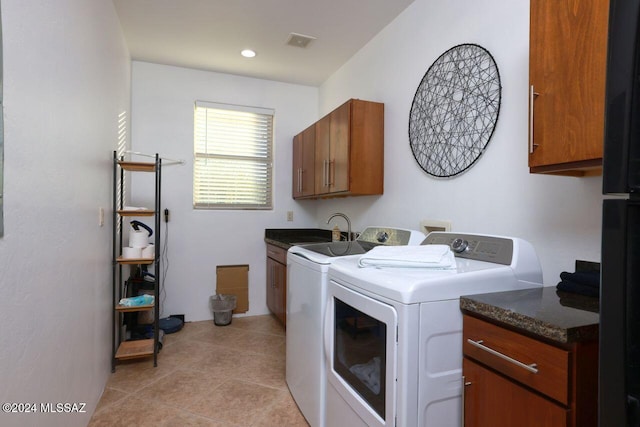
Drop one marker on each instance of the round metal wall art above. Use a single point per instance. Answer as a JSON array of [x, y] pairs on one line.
[[455, 110]]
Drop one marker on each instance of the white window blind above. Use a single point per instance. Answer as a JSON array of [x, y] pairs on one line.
[[233, 157]]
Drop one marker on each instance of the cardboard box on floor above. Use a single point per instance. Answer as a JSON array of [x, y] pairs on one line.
[[234, 280]]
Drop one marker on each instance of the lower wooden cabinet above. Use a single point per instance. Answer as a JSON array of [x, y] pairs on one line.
[[493, 400], [277, 281], [515, 379]]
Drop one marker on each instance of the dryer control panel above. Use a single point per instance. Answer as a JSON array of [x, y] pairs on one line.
[[498, 250]]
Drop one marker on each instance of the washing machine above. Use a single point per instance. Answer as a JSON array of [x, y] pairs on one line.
[[393, 328], [307, 267]]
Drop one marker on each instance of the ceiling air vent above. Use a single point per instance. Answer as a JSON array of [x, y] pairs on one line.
[[299, 40]]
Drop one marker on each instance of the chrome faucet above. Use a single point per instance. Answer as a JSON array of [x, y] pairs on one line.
[[348, 223]]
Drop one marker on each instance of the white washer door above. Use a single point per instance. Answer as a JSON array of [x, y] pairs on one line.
[[361, 355]]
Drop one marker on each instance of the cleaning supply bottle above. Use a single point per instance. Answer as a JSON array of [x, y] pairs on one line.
[[335, 234]]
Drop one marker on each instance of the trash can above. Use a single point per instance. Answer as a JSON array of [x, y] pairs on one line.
[[222, 307]]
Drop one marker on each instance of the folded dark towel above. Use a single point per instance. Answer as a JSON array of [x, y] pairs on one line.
[[578, 288], [586, 278]]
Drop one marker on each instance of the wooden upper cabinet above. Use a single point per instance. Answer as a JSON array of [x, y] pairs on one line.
[[303, 163], [567, 69], [349, 150]]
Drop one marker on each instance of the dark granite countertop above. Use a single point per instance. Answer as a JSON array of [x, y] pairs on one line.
[[544, 312], [287, 237]]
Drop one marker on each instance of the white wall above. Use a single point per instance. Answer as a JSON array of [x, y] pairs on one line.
[[199, 240], [66, 79], [560, 216]]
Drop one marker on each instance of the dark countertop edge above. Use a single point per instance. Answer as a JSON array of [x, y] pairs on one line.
[[278, 243], [530, 325], [287, 237]]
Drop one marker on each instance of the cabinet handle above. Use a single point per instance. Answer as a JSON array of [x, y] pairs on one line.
[[328, 173], [465, 383], [324, 173], [331, 176], [532, 95], [300, 187], [533, 367]]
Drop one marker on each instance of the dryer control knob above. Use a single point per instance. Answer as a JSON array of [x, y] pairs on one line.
[[382, 236], [459, 245]]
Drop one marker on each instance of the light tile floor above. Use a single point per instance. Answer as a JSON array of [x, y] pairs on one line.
[[207, 375]]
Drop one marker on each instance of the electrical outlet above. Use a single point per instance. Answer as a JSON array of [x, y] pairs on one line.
[[289, 215]]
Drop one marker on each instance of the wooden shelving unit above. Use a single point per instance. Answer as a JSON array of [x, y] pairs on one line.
[[137, 166], [135, 349], [135, 261], [121, 348], [133, 212], [127, 309]]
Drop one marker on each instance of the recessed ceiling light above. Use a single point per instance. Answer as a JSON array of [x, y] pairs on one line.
[[248, 53]]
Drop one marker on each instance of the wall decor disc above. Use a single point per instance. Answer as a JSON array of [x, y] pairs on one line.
[[455, 110]]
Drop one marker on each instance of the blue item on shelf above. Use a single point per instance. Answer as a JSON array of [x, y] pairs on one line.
[[137, 301]]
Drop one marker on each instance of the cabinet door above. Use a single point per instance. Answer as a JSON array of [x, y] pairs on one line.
[[332, 151], [340, 130], [296, 173], [277, 289], [281, 292], [567, 66], [493, 400], [303, 163], [272, 301], [322, 155], [366, 147]]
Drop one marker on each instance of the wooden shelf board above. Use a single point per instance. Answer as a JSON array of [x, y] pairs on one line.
[[136, 212], [135, 349], [127, 309], [138, 166], [121, 260]]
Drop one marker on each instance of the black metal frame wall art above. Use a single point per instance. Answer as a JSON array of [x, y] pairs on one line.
[[455, 110]]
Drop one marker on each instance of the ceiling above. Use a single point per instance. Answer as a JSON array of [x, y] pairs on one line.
[[209, 34]]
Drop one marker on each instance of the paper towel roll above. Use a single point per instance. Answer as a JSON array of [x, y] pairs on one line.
[[131, 253], [138, 239], [148, 252]]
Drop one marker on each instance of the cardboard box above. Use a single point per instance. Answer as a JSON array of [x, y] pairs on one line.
[[234, 280]]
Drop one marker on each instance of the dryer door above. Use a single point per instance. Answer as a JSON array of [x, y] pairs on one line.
[[361, 354]]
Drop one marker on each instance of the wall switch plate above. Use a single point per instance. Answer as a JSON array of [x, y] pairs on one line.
[[101, 217], [289, 215]]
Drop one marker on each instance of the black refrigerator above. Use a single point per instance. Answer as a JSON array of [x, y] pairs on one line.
[[619, 358]]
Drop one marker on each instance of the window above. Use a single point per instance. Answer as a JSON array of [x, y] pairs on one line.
[[233, 161]]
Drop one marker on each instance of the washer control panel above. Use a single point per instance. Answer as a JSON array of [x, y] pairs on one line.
[[498, 250], [390, 236]]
